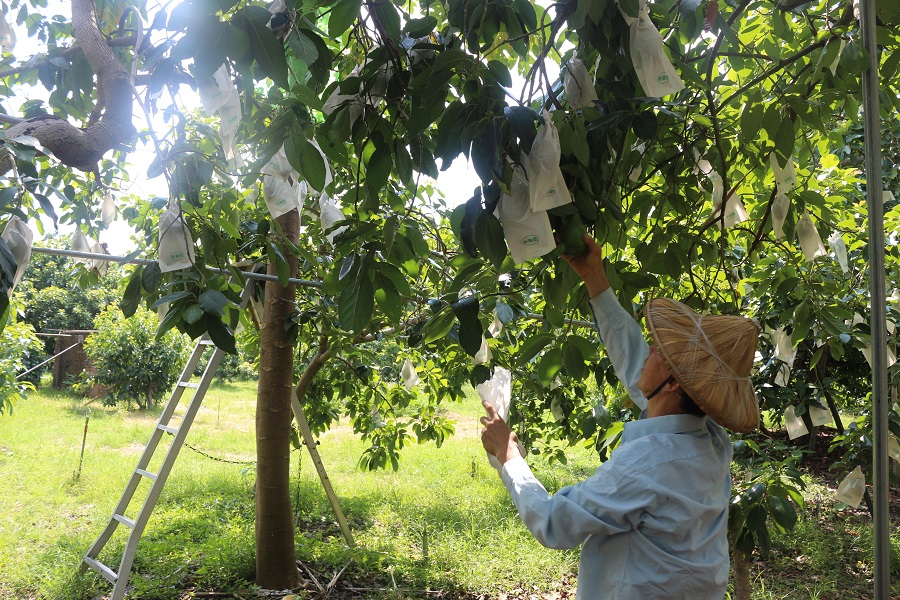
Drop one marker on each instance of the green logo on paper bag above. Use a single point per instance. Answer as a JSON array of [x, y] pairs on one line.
[[281, 202], [176, 256], [662, 78], [530, 240]]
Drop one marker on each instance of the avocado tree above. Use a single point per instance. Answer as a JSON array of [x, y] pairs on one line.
[[718, 193]]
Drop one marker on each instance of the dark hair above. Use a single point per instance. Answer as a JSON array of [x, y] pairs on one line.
[[688, 405]]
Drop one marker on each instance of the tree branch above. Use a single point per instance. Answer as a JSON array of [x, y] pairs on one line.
[[83, 148]]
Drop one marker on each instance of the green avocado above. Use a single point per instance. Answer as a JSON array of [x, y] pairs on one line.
[[572, 238]]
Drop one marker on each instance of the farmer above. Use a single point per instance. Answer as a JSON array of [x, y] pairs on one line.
[[652, 518]]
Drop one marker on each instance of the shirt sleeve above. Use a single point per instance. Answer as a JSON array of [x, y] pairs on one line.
[[606, 503], [625, 344]]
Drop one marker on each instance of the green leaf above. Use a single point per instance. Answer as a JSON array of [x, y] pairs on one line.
[[151, 277], [387, 15], [277, 258], [387, 298], [438, 326], [418, 28], [630, 7], [471, 332], [784, 141], [549, 366], [304, 157], [522, 122], [47, 207], [221, 335], [303, 47], [802, 323], [490, 239], [342, 16], [378, 168], [214, 41], [7, 195], [500, 73], [213, 302], [782, 511], [168, 298], [266, 49], [645, 125], [356, 304], [530, 347], [193, 313], [132, 296], [573, 360]]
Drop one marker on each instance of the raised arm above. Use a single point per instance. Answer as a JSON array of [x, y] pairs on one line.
[[619, 332]]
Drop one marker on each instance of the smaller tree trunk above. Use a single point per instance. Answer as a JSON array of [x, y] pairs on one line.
[[740, 572]]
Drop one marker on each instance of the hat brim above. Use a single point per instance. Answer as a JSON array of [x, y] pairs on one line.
[[722, 391]]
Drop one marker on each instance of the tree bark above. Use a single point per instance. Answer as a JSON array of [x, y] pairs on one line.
[[276, 566], [82, 148], [740, 572]]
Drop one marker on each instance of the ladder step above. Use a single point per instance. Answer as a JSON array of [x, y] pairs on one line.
[[98, 566], [206, 343], [167, 429], [124, 521], [188, 384], [146, 474]]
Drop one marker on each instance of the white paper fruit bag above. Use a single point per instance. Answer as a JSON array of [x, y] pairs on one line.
[[497, 391], [176, 246], [546, 186], [330, 213], [794, 423], [651, 65], [18, 237], [528, 234], [408, 375], [579, 87], [810, 242], [850, 491], [839, 247]]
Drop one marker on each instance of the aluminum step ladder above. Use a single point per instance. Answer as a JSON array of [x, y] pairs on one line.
[[157, 480]]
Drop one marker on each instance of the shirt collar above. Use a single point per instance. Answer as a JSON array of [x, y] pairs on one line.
[[674, 424]]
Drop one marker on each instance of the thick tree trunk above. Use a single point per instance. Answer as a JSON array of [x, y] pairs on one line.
[[740, 573], [276, 566]]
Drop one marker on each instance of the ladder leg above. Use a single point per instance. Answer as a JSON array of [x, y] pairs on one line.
[[158, 479], [310, 444]]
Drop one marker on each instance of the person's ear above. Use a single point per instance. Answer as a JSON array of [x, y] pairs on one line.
[[673, 385]]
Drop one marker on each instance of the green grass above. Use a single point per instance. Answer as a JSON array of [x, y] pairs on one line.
[[201, 534]]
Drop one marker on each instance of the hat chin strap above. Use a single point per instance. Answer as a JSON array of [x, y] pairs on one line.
[[660, 386]]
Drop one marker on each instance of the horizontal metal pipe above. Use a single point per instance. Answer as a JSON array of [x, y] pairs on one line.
[[144, 261]]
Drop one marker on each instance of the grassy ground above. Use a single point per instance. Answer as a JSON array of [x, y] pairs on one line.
[[442, 522]]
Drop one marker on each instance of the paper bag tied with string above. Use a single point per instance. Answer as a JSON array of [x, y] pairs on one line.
[[176, 245], [18, 237], [839, 247], [579, 87], [546, 186], [80, 243], [497, 391], [794, 423], [528, 234], [409, 375], [851, 490], [810, 241], [653, 68], [330, 213]]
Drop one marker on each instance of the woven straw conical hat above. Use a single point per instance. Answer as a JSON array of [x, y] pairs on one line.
[[711, 357]]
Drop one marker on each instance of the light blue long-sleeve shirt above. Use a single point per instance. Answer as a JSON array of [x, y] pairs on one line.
[[653, 518]]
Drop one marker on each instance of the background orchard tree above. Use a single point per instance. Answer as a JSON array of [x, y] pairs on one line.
[[393, 93]]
